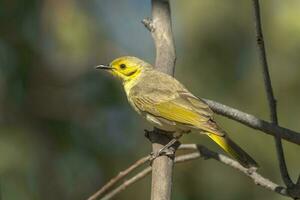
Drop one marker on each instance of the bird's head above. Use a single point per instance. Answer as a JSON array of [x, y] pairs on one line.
[[127, 68]]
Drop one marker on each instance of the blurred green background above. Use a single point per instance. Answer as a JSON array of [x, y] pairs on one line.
[[66, 129]]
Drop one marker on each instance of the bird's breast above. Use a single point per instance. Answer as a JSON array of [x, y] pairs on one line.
[[128, 85]]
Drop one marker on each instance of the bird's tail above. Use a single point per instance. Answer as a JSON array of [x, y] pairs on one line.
[[234, 150]]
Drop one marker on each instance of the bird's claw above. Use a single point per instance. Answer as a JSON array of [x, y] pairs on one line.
[[162, 152]]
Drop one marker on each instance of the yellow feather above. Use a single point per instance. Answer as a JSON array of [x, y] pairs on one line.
[[179, 113], [171, 111], [234, 150], [220, 141]]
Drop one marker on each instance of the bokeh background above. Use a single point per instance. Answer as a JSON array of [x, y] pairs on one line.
[[66, 129]]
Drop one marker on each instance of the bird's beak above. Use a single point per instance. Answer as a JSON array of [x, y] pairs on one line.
[[106, 67]]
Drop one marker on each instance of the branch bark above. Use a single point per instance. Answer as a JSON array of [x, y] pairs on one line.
[[162, 168], [161, 29], [270, 95], [203, 152], [254, 122]]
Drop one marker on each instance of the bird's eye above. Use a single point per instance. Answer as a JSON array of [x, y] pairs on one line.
[[122, 66]]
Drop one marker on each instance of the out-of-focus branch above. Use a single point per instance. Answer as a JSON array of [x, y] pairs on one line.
[[120, 176], [201, 151], [270, 95], [127, 183], [160, 27], [254, 122]]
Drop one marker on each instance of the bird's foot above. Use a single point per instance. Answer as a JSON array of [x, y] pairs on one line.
[[162, 152], [165, 138], [168, 150]]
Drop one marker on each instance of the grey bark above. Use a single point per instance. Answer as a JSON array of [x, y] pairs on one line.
[[161, 29]]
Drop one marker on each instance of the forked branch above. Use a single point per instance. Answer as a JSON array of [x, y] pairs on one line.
[[199, 151]]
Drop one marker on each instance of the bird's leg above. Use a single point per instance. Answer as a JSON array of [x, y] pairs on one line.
[[171, 144], [166, 150]]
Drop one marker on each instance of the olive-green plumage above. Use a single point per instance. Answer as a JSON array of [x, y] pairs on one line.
[[168, 105]]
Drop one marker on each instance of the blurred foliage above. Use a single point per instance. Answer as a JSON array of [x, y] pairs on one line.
[[65, 128]]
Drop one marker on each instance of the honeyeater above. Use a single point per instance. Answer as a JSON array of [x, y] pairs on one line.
[[168, 105]]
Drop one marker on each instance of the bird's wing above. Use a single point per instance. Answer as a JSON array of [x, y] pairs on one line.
[[183, 108]]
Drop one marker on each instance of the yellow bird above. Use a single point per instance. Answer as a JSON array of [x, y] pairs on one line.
[[168, 105]]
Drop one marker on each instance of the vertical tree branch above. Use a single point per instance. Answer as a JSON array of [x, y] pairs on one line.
[[163, 36], [160, 27], [161, 30], [270, 95], [162, 169]]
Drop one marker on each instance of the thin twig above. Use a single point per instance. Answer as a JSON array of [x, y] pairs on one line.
[[120, 176], [254, 122], [148, 24], [270, 95], [127, 183], [206, 154], [145, 172]]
